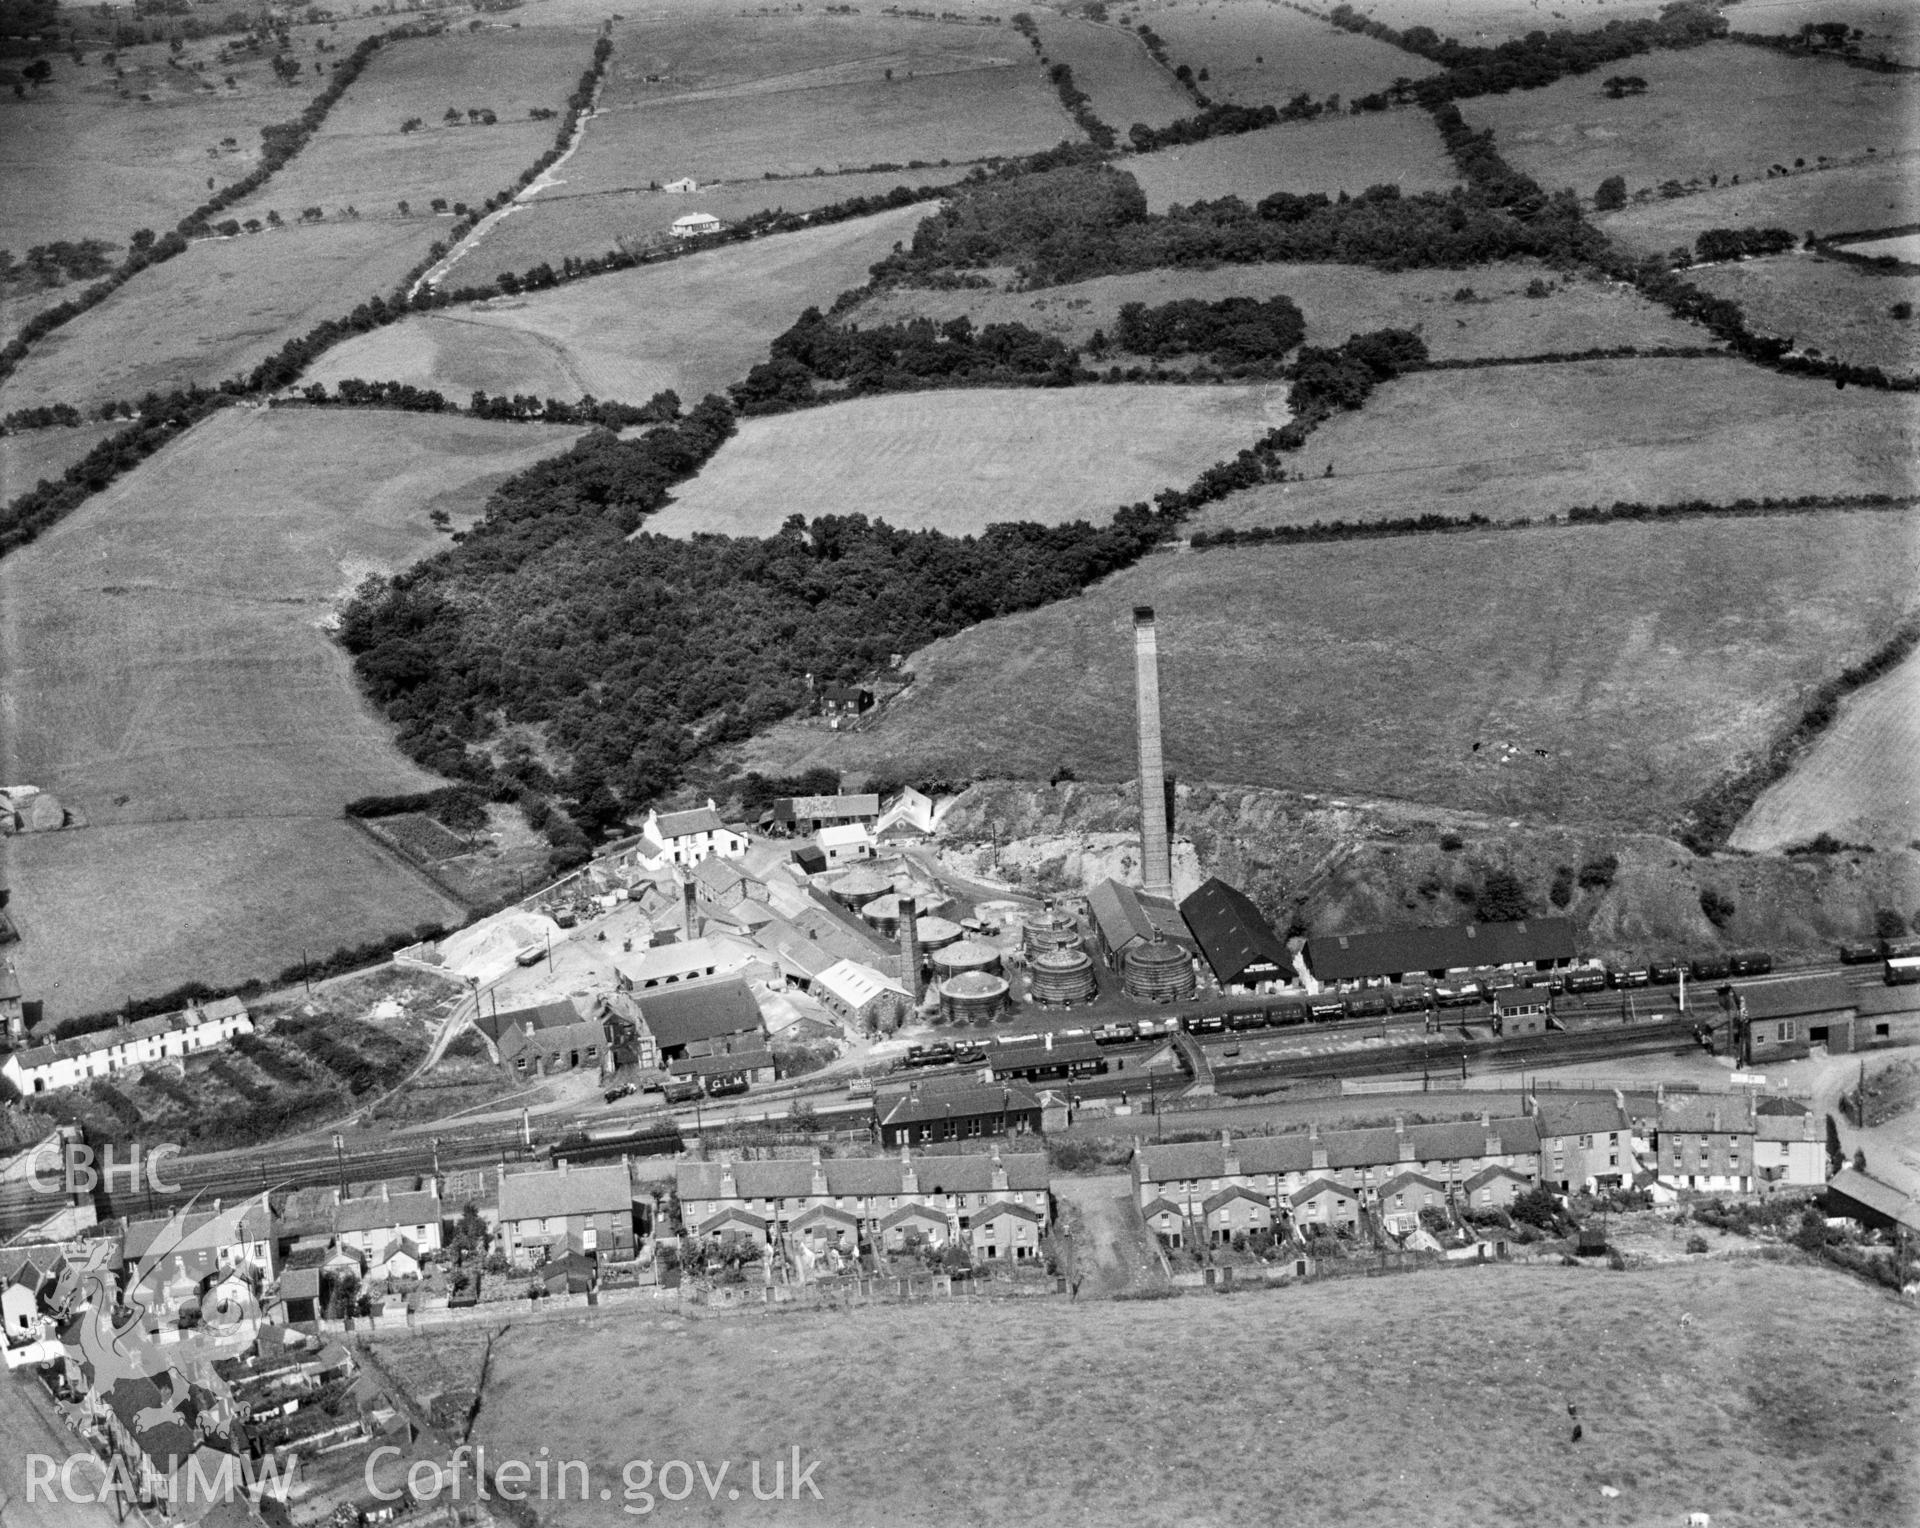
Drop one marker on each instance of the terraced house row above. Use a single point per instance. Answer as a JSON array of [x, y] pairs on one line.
[[994, 1206]]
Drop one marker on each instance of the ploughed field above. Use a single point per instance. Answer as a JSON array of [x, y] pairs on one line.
[[693, 324], [1718, 109], [168, 674], [1530, 441], [1860, 782], [1603, 674], [960, 461], [1496, 317], [1702, 1387], [1330, 155]]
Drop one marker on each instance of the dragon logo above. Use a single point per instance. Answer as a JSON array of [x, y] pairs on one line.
[[184, 1255]]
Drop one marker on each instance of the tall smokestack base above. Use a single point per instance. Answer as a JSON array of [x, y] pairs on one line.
[[1156, 852]]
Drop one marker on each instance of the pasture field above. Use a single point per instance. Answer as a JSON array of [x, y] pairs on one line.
[[1892, 27], [1627, 666], [693, 324], [1719, 109], [360, 157], [999, 108], [31, 455], [1258, 53], [217, 310], [960, 461], [84, 156], [1114, 68], [1860, 781], [1902, 246], [1513, 441], [1489, 22], [1105, 1411], [1830, 306], [556, 225], [715, 45], [1881, 192], [1332, 155], [167, 671], [1337, 301]]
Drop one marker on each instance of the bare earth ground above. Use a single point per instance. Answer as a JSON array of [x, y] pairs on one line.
[[1860, 782], [1256, 52], [1336, 301], [1113, 1251], [1343, 1402], [585, 225], [31, 455], [1830, 306], [1882, 192], [1717, 109], [79, 160], [216, 311], [960, 461], [1339, 154], [166, 674], [693, 324], [1115, 69], [1645, 660], [1514, 441]]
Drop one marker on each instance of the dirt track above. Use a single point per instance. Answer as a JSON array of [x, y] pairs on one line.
[[1112, 1250]]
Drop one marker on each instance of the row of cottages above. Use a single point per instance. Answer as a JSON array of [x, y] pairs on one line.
[[998, 1207], [916, 1116], [1541, 944], [590, 1211], [169, 1036], [1723, 1144], [545, 1039], [1224, 1188], [799, 816]]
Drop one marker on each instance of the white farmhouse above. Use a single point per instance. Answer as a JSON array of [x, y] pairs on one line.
[[695, 224]]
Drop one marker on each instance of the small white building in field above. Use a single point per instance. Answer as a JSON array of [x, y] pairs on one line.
[[682, 186], [694, 224]]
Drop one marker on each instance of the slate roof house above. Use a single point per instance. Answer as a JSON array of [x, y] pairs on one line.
[[686, 838], [586, 1208], [547, 1038], [63, 1063]]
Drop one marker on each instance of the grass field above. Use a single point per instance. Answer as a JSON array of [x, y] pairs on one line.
[[1336, 300], [1337, 154], [215, 311], [1718, 109], [1647, 661], [693, 324], [361, 158], [556, 224], [28, 457], [1116, 70], [168, 676], [1883, 192], [1860, 782], [1256, 52], [960, 461], [85, 157], [998, 108], [1825, 305], [1516, 441], [1347, 1404], [1904, 246], [1891, 26], [1487, 22]]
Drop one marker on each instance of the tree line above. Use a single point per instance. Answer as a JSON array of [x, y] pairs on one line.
[[1231, 330]]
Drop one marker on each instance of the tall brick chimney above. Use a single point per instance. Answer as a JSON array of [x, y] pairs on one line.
[[910, 945], [1156, 854]]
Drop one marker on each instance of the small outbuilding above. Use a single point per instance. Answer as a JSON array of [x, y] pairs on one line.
[[694, 224]]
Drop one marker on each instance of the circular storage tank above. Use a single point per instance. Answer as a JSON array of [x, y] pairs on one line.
[[884, 914], [1050, 931], [1159, 972], [856, 888], [966, 955], [973, 997], [937, 933], [1062, 978]]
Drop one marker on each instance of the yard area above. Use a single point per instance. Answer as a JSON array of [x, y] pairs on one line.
[[1099, 1411], [1514, 441], [1860, 781], [1628, 666], [170, 679], [693, 324], [1257, 53], [1332, 155], [216, 311], [1499, 319], [1717, 109], [960, 461]]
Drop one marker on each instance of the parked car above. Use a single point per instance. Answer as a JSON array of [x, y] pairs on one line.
[[613, 1095]]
